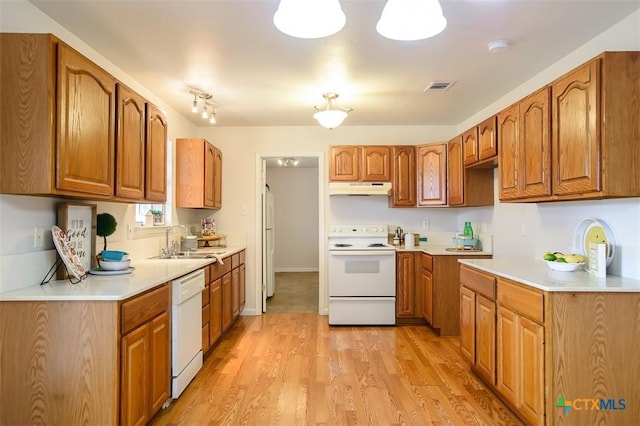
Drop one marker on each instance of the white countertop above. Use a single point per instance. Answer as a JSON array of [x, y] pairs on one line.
[[441, 250], [535, 273], [147, 274]]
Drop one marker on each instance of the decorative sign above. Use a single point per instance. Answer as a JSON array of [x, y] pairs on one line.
[[78, 223]]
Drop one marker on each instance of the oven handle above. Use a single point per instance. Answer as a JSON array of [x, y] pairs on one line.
[[362, 252]]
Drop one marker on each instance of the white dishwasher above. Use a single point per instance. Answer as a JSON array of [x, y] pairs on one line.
[[186, 327]]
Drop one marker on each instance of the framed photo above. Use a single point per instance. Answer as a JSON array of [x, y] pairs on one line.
[[78, 221]]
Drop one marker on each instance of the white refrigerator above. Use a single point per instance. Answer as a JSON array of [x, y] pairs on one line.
[[269, 229]]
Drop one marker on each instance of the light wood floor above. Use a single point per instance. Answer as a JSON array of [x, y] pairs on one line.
[[294, 369], [294, 292]]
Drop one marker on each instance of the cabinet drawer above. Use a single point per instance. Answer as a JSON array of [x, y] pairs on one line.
[[427, 262], [140, 309], [523, 300], [241, 254], [235, 260], [217, 270], [479, 282]]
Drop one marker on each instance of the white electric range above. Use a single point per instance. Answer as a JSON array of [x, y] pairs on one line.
[[362, 276]]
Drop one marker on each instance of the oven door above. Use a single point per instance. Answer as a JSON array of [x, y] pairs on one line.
[[354, 273]]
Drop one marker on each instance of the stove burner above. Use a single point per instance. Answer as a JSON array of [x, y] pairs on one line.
[[342, 245], [377, 245]]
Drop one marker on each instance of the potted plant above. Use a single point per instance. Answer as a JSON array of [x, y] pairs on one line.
[[158, 217], [105, 225]]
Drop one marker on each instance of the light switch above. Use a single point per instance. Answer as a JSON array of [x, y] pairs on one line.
[[38, 237]]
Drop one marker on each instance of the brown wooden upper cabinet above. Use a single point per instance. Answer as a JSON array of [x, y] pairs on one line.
[[349, 163], [403, 176], [467, 186], [525, 148], [480, 144], [198, 174], [591, 151], [130, 143], [141, 148], [455, 172], [432, 174], [59, 137], [156, 155], [470, 146]]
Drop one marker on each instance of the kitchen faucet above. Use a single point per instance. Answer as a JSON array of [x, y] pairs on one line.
[[170, 250]]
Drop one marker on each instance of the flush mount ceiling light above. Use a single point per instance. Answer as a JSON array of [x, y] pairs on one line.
[[288, 161], [208, 109], [408, 20], [498, 46], [329, 116], [309, 18]]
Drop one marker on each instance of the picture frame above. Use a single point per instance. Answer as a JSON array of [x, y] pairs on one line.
[[78, 221]]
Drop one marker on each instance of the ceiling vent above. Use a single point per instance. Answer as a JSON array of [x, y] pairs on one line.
[[439, 86]]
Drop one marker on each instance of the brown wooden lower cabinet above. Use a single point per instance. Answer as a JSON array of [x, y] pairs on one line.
[[551, 345], [408, 301], [112, 367], [426, 279], [227, 302], [135, 356], [145, 368], [226, 296], [438, 278], [486, 338], [215, 311], [477, 321]]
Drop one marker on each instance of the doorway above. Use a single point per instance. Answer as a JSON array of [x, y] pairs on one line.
[[297, 233]]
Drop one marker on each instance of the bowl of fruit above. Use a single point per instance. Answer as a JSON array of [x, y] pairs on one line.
[[563, 262]]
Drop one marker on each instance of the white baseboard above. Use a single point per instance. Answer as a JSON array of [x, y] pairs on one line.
[[296, 269]]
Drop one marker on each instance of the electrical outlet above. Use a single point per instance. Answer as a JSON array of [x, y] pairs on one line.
[[130, 229], [38, 237], [523, 228], [243, 211], [426, 224]]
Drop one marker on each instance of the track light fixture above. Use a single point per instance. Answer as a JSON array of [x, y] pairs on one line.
[[288, 161], [207, 110]]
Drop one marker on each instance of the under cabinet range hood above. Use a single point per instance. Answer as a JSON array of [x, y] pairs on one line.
[[360, 188]]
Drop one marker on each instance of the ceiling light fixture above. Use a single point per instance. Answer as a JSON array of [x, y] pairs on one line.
[[208, 109], [309, 18], [288, 161], [194, 108], [329, 116], [409, 20], [498, 46]]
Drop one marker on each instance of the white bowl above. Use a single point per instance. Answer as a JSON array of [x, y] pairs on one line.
[[564, 267], [114, 265]]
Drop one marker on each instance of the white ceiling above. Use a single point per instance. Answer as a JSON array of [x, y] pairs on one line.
[[261, 77]]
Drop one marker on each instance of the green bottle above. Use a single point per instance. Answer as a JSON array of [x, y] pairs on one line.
[[468, 231]]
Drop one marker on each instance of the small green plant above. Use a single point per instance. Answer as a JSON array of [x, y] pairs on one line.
[[105, 225], [156, 212]]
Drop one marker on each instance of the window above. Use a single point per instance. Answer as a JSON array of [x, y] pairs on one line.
[[142, 209]]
